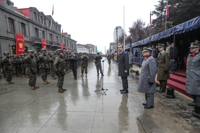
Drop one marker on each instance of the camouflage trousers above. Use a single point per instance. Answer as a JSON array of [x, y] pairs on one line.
[[15, 69], [23, 71], [32, 79], [53, 73], [60, 81], [43, 73], [8, 75], [82, 70]]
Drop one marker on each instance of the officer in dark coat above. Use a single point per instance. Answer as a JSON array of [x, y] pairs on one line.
[[193, 74], [123, 68], [84, 64], [60, 69], [98, 64], [147, 83], [109, 59], [31, 70], [7, 68], [163, 68], [73, 63], [52, 68]]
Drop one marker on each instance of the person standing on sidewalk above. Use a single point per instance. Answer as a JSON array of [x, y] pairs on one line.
[[147, 82], [73, 64], [98, 64], [193, 74], [84, 64], [123, 68], [163, 67]]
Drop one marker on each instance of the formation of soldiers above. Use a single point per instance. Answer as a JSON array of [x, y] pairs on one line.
[[56, 63]]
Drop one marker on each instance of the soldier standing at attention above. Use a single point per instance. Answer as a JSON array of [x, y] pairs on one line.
[[51, 61], [147, 83], [31, 70], [98, 64], [60, 69], [193, 74], [163, 68], [109, 59], [23, 67], [73, 64], [7, 68], [84, 64], [43, 66]]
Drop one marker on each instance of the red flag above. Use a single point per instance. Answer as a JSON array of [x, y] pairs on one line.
[[44, 43], [19, 43], [150, 19], [53, 10], [61, 45], [167, 9], [66, 48]]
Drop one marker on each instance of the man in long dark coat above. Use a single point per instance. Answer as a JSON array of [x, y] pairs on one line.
[[147, 83], [163, 68], [123, 68], [193, 74], [98, 64], [73, 63]]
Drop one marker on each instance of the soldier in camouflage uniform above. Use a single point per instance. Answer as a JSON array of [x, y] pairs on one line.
[[51, 61], [14, 64], [84, 64], [43, 65], [7, 68], [31, 69], [18, 65], [23, 67], [60, 70]]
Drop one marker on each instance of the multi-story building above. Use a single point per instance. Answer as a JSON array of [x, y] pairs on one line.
[[34, 25], [92, 48], [118, 31]]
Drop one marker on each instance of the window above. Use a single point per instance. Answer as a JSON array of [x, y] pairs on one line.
[[36, 33], [23, 28], [67, 43], [13, 49], [64, 41], [41, 19], [49, 23], [35, 17], [11, 25], [38, 50], [50, 37], [57, 39], [43, 34], [25, 49]]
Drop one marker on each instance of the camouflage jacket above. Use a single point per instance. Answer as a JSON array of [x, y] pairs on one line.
[[7, 64], [59, 65], [30, 64], [43, 61]]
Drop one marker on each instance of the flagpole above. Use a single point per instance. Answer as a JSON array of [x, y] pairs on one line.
[[124, 24]]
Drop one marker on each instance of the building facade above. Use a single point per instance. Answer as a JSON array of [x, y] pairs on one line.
[[118, 31], [92, 48], [34, 25]]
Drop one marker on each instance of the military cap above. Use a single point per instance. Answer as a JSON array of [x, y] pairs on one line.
[[43, 49], [160, 45], [145, 49], [6, 52], [194, 45], [30, 51], [58, 51]]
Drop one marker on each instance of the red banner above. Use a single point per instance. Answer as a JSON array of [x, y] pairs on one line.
[[66, 48], [19, 43], [61, 45], [44, 43]]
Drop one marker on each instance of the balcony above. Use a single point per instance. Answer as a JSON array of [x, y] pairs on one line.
[[36, 40]]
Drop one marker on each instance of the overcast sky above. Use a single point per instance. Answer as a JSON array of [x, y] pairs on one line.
[[93, 21]]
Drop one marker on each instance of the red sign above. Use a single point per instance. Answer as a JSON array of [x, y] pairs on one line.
[[44, 43], [66, 48], [19, 43], [61, 45]]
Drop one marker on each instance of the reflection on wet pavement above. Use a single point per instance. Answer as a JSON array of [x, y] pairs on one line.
[[81, 110]]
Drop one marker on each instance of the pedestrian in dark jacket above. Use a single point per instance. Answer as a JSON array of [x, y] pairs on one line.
[[136, 53], [73, 63], [123, 68], [84, 64], [98, 64]]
